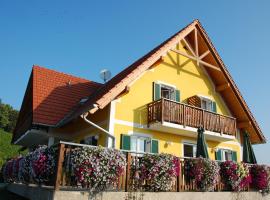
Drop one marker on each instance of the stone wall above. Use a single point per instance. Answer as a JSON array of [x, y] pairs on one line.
[[34, 192]]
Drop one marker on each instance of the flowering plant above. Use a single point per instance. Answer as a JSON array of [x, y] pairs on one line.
[[37, 166], [42, 164], [260, 177], [235, 176], [7, 171], [159, 171], [203, 171], [96, 167], [24, 169]]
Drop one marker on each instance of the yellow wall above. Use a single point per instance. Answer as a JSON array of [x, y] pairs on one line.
[[79, 129], [131, 107], [175, 70], [189, 79]]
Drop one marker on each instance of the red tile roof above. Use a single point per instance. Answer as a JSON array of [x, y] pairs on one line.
[[55, 94]]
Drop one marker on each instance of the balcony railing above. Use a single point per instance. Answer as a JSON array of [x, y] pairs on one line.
[[67, 172], [125, 182], [164, 110]]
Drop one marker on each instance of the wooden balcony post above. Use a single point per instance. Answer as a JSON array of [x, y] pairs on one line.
[[59, 166], [162, 110], [179, 178], [184, 115], [148, 115], [128, 172], [202, 118], [219, 123]]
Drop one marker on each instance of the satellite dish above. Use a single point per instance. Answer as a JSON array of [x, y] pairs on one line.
[[105, 75]]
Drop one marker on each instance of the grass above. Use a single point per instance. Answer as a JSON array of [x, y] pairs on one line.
[[7, 150]]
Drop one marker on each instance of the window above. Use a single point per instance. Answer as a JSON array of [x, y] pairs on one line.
[[140, 144], [190, 150], [226, 155], [166, 92], [208, 104], [91, 140]]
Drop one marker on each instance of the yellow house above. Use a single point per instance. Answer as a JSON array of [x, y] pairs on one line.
[[154, 105]]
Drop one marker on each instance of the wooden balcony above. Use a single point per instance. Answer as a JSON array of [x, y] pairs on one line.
[[165, 110]]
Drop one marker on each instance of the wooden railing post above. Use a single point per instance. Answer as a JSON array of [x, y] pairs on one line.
[[219, 124], [148, 115], [184, 116], [59, 166], [128, 172], [162, 110], [179, 178], [202, 118]]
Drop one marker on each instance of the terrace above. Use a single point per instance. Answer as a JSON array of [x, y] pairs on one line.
[[77, 167]]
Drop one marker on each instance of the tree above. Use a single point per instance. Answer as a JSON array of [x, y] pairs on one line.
[[8, 117], [12, 117], [3, 116]]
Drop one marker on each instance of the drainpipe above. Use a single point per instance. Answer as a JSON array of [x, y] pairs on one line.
[[107, 133]]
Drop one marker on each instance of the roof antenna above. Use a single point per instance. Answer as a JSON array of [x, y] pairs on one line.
[[105, 75]]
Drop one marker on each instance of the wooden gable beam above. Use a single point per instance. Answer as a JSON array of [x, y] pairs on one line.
[[184, 54], [204, 54], [209, 65], [196, 42], [222, 87], [196, 59], [189, 47]]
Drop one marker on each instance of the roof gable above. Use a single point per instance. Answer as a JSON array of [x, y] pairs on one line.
[[211, 62], [50, 96]]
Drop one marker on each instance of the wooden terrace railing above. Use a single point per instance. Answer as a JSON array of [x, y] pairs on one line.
[[63, 180], [165, 110]]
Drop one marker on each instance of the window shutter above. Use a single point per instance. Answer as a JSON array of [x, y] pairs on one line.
[[125, 142], [154, 146], [194, 101], [219, 155], [214, 107], [177, 95], [234, 156], [157, 95]]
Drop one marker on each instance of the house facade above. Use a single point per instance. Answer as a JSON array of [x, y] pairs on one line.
[[155, 105]]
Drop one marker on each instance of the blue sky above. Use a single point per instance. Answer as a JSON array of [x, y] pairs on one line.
[[83, 37]]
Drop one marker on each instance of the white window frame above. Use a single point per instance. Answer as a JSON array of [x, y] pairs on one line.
[[223, 150], [172, 92], [194, 148], [169, 86], [137, 148], [208, 101]]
